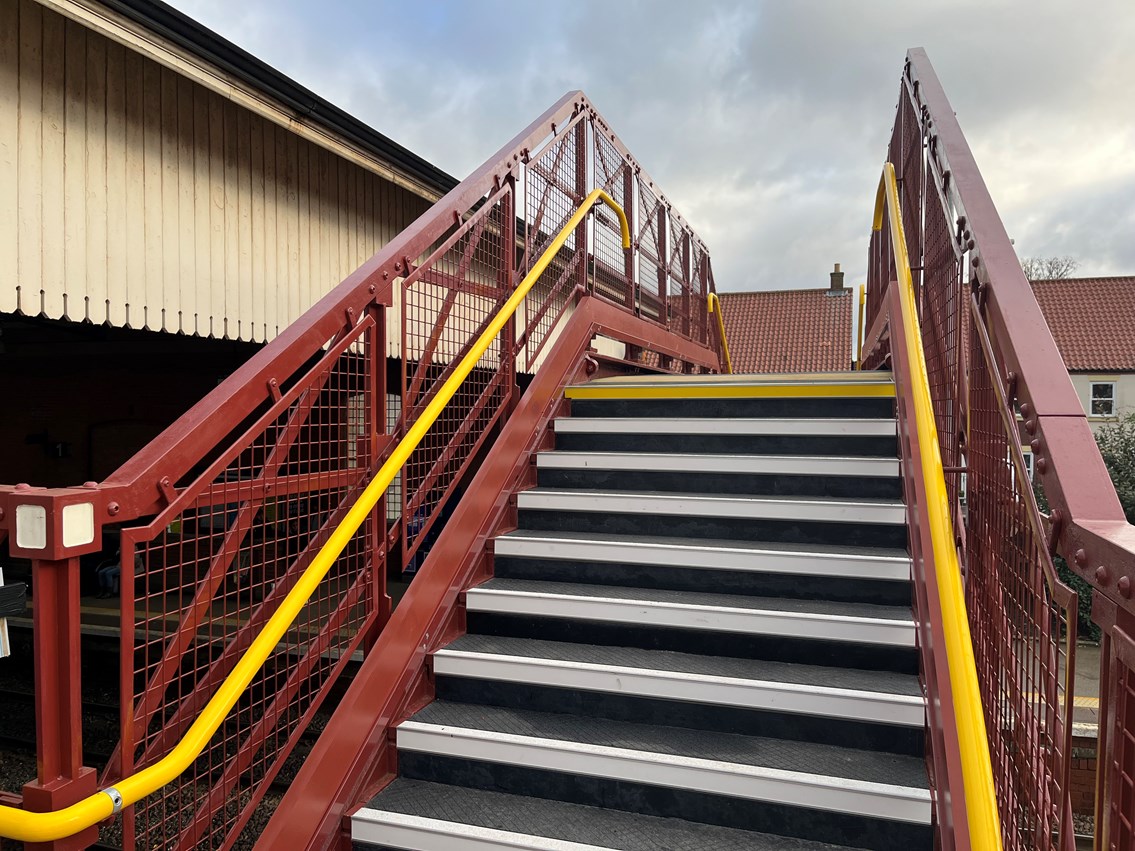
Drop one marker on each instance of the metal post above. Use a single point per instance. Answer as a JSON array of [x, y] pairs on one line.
[[61, 777], [629, 253], [581, 190]]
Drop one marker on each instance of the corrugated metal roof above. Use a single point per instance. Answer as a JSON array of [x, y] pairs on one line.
[[1092, 321], [789, 330]]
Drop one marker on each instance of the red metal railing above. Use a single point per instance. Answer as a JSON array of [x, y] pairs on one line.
[[224, 510], [990, 356]]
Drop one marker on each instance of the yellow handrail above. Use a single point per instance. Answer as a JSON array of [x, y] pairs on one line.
[[47, 826], [711, 300], [977, 773]]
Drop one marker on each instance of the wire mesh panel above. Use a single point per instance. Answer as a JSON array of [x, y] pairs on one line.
[[681, 294], [942, 320], [555, 186], [650, 244], [447, 303], [208, 573], [1118, 804], [1022, 620], [613, 269]]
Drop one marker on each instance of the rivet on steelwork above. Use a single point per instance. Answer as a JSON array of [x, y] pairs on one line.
[[90, 485], [1026, 408], [1042, 465], [1081, 557], [1103, 575], [1030, 427], [1124, 586]]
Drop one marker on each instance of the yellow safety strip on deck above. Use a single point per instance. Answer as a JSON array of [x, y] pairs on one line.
[[727, 391]]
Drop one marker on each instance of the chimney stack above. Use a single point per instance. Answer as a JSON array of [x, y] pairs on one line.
[[837, 278]]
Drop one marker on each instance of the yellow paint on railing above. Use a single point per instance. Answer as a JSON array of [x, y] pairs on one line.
[[973, 743], [45, 827], [712, 300]]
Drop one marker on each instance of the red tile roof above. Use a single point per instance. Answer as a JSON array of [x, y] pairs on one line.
[[789, 330], [1092, 321]]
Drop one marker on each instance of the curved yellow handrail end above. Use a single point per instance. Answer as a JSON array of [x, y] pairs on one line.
[[712, 300]]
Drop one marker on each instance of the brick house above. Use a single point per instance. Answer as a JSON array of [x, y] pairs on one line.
[[1093, 323], [790, 330]]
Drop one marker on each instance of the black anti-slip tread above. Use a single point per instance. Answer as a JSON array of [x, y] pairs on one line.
[[734, 483], [780, 754], [878, 407], [872, 446], [574, 822], [807, 651], [792, 531], [882, 682], [693, 598], [754, 583], [818, 548]]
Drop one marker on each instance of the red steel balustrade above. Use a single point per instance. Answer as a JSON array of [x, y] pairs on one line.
[[998, 383], [222, 512]]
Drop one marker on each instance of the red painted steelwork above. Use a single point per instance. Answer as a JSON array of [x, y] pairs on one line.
[[224, 510], [988, 358], [354, 756]]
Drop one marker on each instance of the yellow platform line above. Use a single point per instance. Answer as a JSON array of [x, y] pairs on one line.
[[728, 391]]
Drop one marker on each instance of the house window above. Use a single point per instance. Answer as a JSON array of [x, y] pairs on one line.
[[1029, 462], [1103, 399]]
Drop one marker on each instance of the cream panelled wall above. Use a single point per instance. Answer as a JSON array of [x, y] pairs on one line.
[[132, 195]]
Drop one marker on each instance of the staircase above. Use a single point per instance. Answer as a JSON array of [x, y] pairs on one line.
[[699, 637]]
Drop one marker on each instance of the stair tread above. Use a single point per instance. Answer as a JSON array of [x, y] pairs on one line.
[[670, 495], [881, 682], [739, 463], [752, 378], [603, 828], [847, 426], [650, 596], [806, 758], [834, 550]]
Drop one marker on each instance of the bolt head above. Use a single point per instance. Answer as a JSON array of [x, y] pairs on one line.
[[112, 508]]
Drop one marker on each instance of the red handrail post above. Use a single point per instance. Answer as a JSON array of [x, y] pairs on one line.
[[62, 779]]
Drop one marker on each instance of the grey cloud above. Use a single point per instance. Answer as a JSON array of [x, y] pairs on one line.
[[766, 123]]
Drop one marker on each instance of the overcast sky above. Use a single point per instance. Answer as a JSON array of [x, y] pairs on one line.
[[766, 123]]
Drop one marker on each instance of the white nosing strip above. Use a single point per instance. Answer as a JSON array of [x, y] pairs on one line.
[[695, 556], [418, 833], [691, 505], [656, 462], [796, 698], [897, 633], [796, 788], [711, 425]]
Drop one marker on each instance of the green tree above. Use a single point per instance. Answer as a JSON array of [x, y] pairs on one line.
[[1117, 446]]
